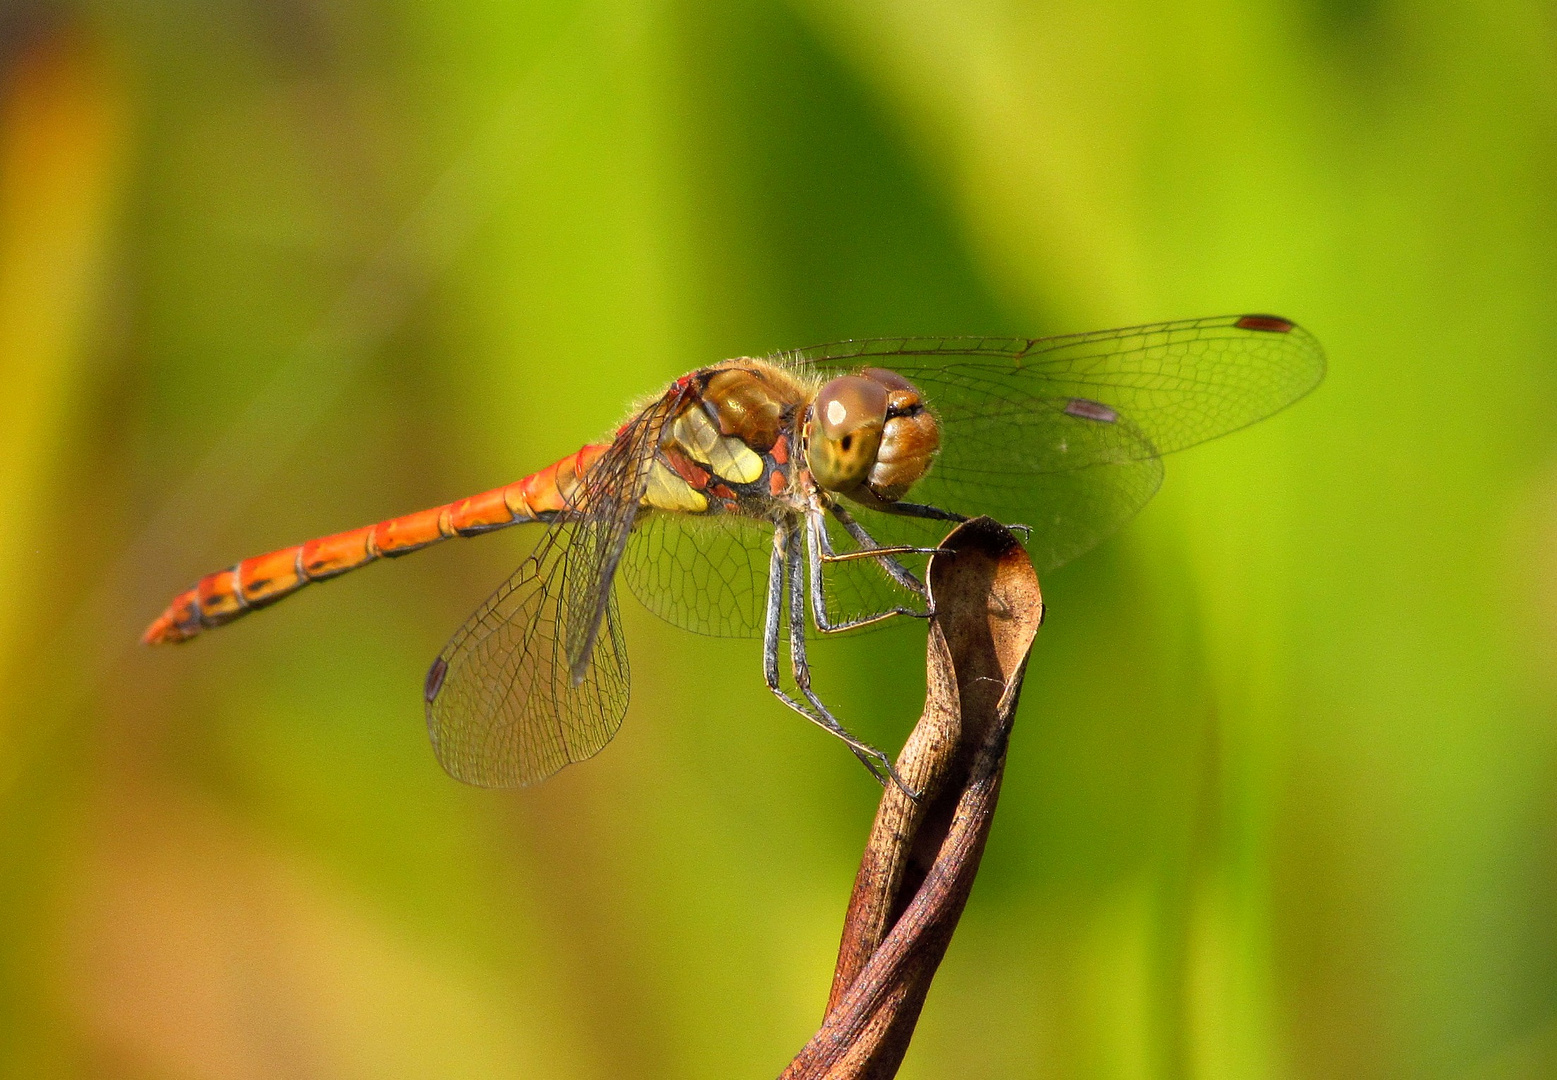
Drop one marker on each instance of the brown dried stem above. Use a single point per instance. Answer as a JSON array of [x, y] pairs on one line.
[[919, 865]]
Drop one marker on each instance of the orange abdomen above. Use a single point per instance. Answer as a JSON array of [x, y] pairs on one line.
[[255, 583]]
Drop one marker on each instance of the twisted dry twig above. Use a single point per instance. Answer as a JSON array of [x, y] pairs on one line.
[[919, 865]]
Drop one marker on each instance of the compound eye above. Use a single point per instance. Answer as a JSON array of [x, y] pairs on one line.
[[890, 379], [848, 417], [849, 403]]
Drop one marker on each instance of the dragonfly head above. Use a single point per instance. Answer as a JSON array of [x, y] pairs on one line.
[[870, 436]]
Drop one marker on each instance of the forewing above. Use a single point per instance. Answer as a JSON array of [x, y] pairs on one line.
[[1179, 383], [538, 677], [1063, 434], [611, 502], [1015, 464]]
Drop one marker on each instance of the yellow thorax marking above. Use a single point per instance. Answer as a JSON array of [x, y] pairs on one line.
[[727, 456], [667, 491]]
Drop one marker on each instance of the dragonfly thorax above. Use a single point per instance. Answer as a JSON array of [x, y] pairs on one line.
[[869, 436]]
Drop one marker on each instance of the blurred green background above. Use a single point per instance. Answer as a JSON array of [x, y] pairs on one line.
[[1282, 800]]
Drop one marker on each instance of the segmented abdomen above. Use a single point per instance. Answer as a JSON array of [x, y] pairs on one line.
[[258, 582]]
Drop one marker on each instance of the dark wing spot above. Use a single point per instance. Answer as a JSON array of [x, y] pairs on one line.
[[434, 682], [1273, 323], [1091, 410]]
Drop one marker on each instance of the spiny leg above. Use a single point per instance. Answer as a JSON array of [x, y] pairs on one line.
[[895, 570], [924, 510], [774, 610], [819, 549], [873, 759], [869, 547], [935, 513], [778, 568]]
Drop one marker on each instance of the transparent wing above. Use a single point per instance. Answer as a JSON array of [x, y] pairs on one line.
[[538, 677], [707, 574], [610, 501], [1060, 434], [1063, 434], [710, 574], [1016, 468], [1180, 383], [503, 709]]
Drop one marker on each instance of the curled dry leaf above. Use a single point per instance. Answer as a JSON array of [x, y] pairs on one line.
[[919, 864]]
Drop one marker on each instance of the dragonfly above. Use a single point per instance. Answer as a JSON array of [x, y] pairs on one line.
[[768, 497]]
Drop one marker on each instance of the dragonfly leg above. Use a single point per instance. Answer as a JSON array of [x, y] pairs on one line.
[[896, 570], [924, 510], [786, 565], [778, 572], [817, 544], [774, 616], [869, 549], [935, 513]]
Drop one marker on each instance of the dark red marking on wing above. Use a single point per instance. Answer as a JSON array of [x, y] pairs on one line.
[[1016, 445], [1091, 410], [434, 682], [538, 677], [1273, 323]]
